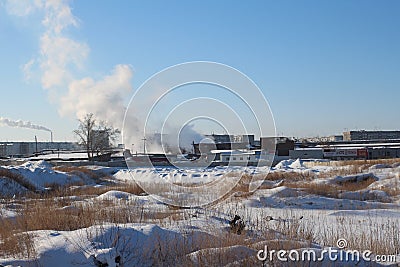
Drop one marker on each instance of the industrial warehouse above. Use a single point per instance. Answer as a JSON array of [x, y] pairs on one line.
[[223, 149], [352, 145]]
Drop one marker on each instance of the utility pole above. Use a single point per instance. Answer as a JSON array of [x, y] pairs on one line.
[[144, 145], [36, 152]]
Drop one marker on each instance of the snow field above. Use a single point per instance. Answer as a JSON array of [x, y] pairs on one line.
[[99, 221]]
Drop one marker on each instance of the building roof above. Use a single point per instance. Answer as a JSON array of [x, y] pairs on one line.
[[234, 152], [360, 145]]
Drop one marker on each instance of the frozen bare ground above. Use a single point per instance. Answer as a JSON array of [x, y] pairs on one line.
[[97, 216]]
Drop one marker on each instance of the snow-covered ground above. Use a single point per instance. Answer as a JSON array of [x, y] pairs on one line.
[[295, 208]]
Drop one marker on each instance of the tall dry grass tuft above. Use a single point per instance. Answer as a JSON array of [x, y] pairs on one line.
[[131, 188], [375, 234], [329, 189], [57, 210], [84, 172], [15, 243], [357, 163], [291, 176]]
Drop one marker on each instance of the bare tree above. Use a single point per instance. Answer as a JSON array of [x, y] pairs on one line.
[[95, 137]]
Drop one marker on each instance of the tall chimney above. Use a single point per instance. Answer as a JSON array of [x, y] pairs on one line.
[[36, 145], [51, 137]]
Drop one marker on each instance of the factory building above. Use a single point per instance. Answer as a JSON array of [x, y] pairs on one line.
[[236, 156], [345, 153], [352, 151], [282, 145], [224, 142], [225, 138], [24, 149], [384, 152], [306, 153], [371, 135]]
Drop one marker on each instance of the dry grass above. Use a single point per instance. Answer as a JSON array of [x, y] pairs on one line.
[[15, 243], [81, 171], [344, 171], [48, 212], [370, 232], [391, 191], [379, 236], [357, 163], [55, 210], [328, 189], [292, 176], [75, 169], [131, 188]]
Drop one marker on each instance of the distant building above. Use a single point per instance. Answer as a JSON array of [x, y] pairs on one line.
[[384, 152], [345, 153], [224, 142], [282, 145], [221, 138], [370, 135], [226, 138], [23, 149], [236, 156], [244, 138], [335, 138], [322, 139], [306, 153]]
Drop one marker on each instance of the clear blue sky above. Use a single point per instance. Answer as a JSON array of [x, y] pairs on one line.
[[323, 65]]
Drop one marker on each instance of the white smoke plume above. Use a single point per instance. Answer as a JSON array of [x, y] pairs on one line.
[[60, 61], [105, 98], [181, 138], [22, 124]]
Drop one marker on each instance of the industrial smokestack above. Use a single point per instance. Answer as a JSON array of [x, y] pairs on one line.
[[36, 145], [51, 136]]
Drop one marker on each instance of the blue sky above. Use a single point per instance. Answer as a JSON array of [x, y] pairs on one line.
[[324, 66]]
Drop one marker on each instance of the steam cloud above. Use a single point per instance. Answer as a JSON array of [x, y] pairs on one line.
[[22, 124], [62, 58]]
